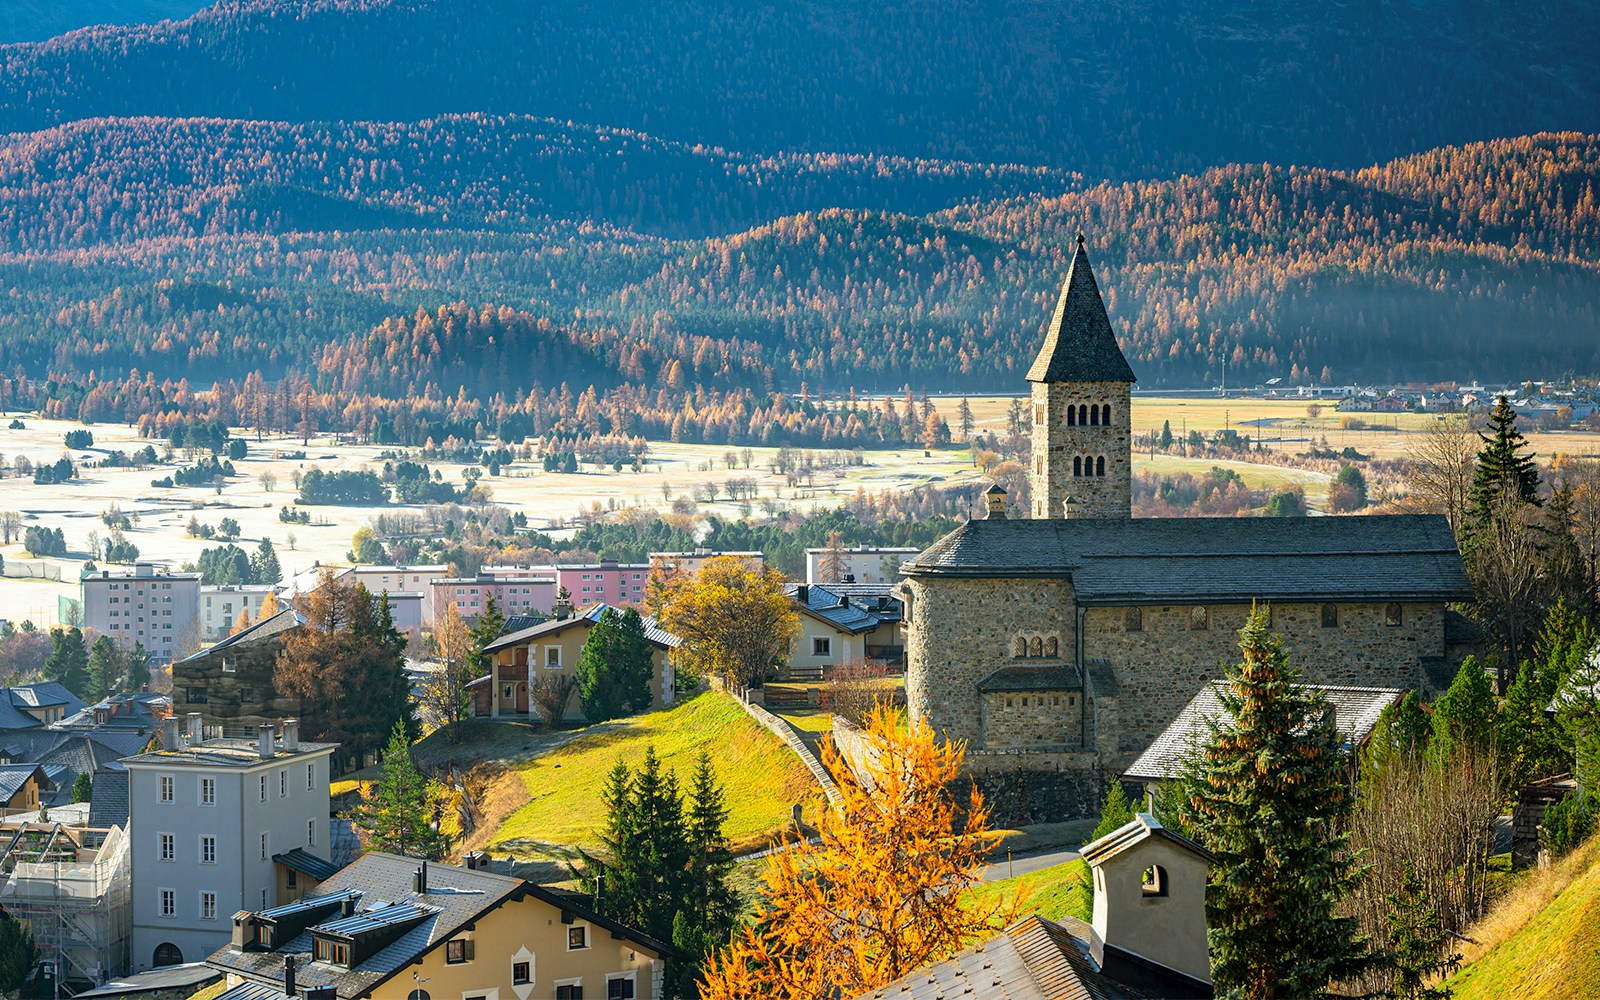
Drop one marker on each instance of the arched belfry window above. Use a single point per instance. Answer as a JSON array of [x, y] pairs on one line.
[[1077, 466], [1105, 414], [1094, 416], [1100, 466], [1083, 415], [1072, 416], [1022, 648], [1038, 646], [1154, 881], [1051, 647]]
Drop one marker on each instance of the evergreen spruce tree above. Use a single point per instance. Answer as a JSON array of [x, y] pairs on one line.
[[105, 667], [264, 566], [708, 907], [1504, 470], [1464, 716], [1114, 811], [491, 622], [138, 671], [18, 955], [83, 787], [1166, 434], [1417, 942], [68, 661], [1401, 732], [600, 690], [1268, 797], [395, 816], [634, 663]]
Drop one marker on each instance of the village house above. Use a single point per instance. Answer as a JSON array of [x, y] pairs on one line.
[[32, 706], [550, 649], [1059, 646], [842, 624], [387, 926], [230, 685], [513, 594], [1146, 938], [691, 563], [20, 787]]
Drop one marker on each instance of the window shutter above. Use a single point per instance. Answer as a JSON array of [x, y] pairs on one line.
[[469, 950]]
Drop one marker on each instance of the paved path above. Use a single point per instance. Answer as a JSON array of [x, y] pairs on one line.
[[1027, 864]]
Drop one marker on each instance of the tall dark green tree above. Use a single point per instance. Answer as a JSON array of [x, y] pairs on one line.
[[68, 661], [1401, 732], [396, 815], [1114, 811], [708, 907], [1465, 715], [1504, 469], [491, 621], [1268, 797], [1417, 942], [264, 566], [598, 690], [1504, 542], [635, 661], [138, 670], [106, 664], [18, 954]]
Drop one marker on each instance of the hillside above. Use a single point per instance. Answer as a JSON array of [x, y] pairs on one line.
[[209, 249], [1118, 89], [1542, 940], [37, 20]]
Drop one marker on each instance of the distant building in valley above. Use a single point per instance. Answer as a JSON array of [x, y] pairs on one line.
[[146, 604], [863, 564], [514, 593], [220, 607]]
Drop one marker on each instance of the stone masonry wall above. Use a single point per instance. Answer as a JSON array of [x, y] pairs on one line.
[[1056, 443], [1160, 667], [1032, 719], [1032, 787], [243, 697], [965, 630]]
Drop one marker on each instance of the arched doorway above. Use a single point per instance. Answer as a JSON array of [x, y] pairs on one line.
[[167, 953]]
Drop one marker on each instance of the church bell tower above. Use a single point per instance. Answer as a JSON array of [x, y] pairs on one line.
[[1082, 430]]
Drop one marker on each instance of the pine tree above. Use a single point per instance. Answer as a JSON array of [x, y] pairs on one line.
[[105, 667], [491, 622], [1417, 942], [1166, 434], [1504, 472], [395, 815], [634, 665], [83, 787], [708, 906], [1114, 811], [1268, 797], [264, 564], [18, 954], [1464, 716], [599, 692], [68, 661], [1401, 732], [138, 667]]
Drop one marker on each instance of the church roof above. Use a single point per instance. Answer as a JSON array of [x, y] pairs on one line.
[[1079, 345], [1123, 561]]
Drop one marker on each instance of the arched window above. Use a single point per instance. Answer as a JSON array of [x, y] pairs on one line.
[[1392, 614], [1072, 416], [1100, 466], [1083, 415], [167, 953], [1154, 881], [1077, 466], [1105, 414], [1051, 647], [1038, 646], [1022, 647], [1094, 416]]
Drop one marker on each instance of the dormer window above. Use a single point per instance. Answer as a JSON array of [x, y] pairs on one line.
[[333, 952]]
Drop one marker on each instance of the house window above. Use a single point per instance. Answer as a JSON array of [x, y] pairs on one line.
[[283, 783], [169, 902], [1038, 413], [521, 972], [508, 692], [330, 951], [208, 850], [311, 833], [1392, 614], [294, 879], [1133, 620], [166, 788], [620, 988], [311, 776], [264, 854], [822, 647], [457, 951], [552, 656], [208, 906], [169, 847], [228, 664], [1154, 881], [208, 791], [1199, 619], [569, 991], [1330, 616], [263, 788], [577, 937]]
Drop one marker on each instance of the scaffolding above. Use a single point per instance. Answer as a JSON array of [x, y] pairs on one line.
[[75, 899]]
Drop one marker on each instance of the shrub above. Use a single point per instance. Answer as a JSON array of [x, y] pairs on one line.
[[1567, 823], [79, 439]]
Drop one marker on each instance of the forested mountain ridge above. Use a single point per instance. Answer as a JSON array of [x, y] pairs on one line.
[[1117, 89], [210, 249], [38, 20]]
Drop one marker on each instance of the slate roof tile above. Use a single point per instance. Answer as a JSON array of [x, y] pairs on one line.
[[1079, 345]]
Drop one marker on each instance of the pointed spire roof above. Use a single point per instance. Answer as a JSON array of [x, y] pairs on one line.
[[1079, 345]]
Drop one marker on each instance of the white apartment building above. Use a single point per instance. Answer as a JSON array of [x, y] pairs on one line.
[[858, 565], [410, 586], [146, 604], [206, 818], [220, 607]]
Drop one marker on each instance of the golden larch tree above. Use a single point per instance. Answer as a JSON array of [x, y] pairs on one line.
[[882, 890], [734, 619]]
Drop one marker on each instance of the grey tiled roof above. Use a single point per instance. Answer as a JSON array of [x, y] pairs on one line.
[[1214, 559], [1033, 959], [652, 631], [185, 978], [306, 863], [1053, 677], [13, 777], [266, 628], [1079, 345], [1355, 712], [108, 805], [45, 693], [843, 612]]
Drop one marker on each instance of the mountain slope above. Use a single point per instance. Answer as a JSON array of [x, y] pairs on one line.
[[37, 20], [1114, 89]]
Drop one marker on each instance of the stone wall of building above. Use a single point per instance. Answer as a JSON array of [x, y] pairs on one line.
[[1160, 665], [1023, 787], [232, 687], [1058, 439], [968, 629], [1021, 719]]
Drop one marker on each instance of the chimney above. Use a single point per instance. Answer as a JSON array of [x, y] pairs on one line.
[[419, 880], [802, 593], [169, 733], [244, 931], [265, 740], [197, 730], [291, 735], [994, 503], [1070, 509], [288, 975], [1149, 909]]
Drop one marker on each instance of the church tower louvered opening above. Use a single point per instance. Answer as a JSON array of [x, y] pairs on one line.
[[1081, 387]]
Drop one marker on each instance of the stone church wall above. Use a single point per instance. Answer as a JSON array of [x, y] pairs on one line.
[[1160, 666], [1056, 442], [968, 629], [1022, 787], [1033, 719]]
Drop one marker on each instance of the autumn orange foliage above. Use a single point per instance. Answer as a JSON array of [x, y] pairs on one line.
[[883, 888]]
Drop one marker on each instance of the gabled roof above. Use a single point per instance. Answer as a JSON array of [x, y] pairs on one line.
[[832, 605], [1219, 560], [1142, 827], [303, 861], [266, 628], [14, 776], [1355, 713], [16, 700], [1033, 959], [1079, 345], [589, 616]]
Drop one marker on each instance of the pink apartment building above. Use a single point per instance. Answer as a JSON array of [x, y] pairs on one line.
[[515, 595], [611, 582]]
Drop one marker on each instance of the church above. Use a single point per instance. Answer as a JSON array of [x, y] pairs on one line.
[[1058, 646]]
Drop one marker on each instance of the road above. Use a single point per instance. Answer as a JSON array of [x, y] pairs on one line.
[[1027, 864]]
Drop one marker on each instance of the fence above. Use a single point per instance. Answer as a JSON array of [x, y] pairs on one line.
[[33, 570]]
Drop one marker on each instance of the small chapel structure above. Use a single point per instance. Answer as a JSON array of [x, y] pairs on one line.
[[1060, 645]]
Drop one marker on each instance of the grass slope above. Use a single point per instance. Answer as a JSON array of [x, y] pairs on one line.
[[1542, 941], [761, 778], [1064, 890]]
